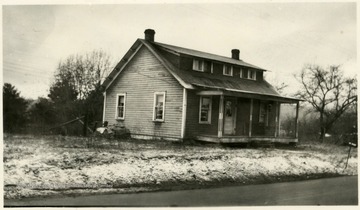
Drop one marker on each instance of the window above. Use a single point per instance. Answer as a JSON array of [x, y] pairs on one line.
[[251, 74], [198, 65], [205, 109], [159, 106], [228, 70], [201, 65], [241, 73], [120, 107]]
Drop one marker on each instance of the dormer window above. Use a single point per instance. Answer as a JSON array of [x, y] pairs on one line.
[[228, 70], [201, 65], [251, 74]]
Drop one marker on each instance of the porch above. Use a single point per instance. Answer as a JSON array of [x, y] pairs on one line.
[[245, 139], [245, 117]]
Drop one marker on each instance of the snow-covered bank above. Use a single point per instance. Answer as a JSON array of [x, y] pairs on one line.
[[47, 166]]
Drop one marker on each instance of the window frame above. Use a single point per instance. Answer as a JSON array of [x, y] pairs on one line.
[[254, 73], [154, 107], [210, 110], [117, 106], [231, 70], [241, 73], [200, 67]]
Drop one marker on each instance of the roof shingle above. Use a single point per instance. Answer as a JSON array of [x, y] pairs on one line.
[[205, 55]]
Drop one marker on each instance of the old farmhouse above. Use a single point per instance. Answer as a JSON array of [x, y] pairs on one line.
[[161, 91]]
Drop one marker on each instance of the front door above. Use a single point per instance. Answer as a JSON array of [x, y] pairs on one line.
[[229, 116]]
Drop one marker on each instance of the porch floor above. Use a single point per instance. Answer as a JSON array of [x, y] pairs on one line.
[[245, 139]]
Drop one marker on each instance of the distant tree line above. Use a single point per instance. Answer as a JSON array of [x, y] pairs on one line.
[[14, 109], [75, 92]]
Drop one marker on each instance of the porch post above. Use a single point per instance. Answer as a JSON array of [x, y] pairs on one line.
[[183, 117], [276, 117], [221, 116], [251, 112], [278, 128], [103, 118], [297, 121]]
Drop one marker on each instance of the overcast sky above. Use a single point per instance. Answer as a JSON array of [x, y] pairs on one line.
[[281, 37]]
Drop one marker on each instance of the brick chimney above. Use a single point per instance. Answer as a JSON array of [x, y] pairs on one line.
[[235, 54], [149, 35]]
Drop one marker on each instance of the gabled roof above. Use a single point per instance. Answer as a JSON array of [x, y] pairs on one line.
[[185, 51], [121, 65], [193, 79], [129, 55]]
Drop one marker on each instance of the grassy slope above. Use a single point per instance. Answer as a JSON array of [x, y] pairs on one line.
[[36, 166]]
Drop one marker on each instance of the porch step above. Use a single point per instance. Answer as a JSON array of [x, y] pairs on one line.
[[265, 144]]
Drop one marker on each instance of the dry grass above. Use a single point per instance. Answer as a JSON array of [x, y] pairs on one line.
[[49, 165]]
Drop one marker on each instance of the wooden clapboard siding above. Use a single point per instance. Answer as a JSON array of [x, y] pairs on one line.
[[262, 128], [257, 129], [186, 63], [217, 68], [259, 75], [242, 117], [143, 76], [193, 127]]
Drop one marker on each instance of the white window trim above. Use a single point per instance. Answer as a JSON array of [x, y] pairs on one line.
[[200, 68], [231, 68], [248, 74], [117, 104], [210, 110], [154, 105]]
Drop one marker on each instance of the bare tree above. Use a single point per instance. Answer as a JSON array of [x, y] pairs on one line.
[[78, 83], [328, 92], [280, 87], [85, 72]]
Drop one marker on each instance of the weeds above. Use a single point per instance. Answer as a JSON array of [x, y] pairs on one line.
[[96, 161]]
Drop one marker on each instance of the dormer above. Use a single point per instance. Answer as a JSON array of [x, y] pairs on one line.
[[248, 73], [228, 70], [218, 66], [202, 65]]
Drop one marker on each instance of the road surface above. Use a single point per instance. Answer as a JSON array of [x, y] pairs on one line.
[[329, 191]]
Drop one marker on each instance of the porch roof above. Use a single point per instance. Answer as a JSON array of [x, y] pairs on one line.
[[230, 83]]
